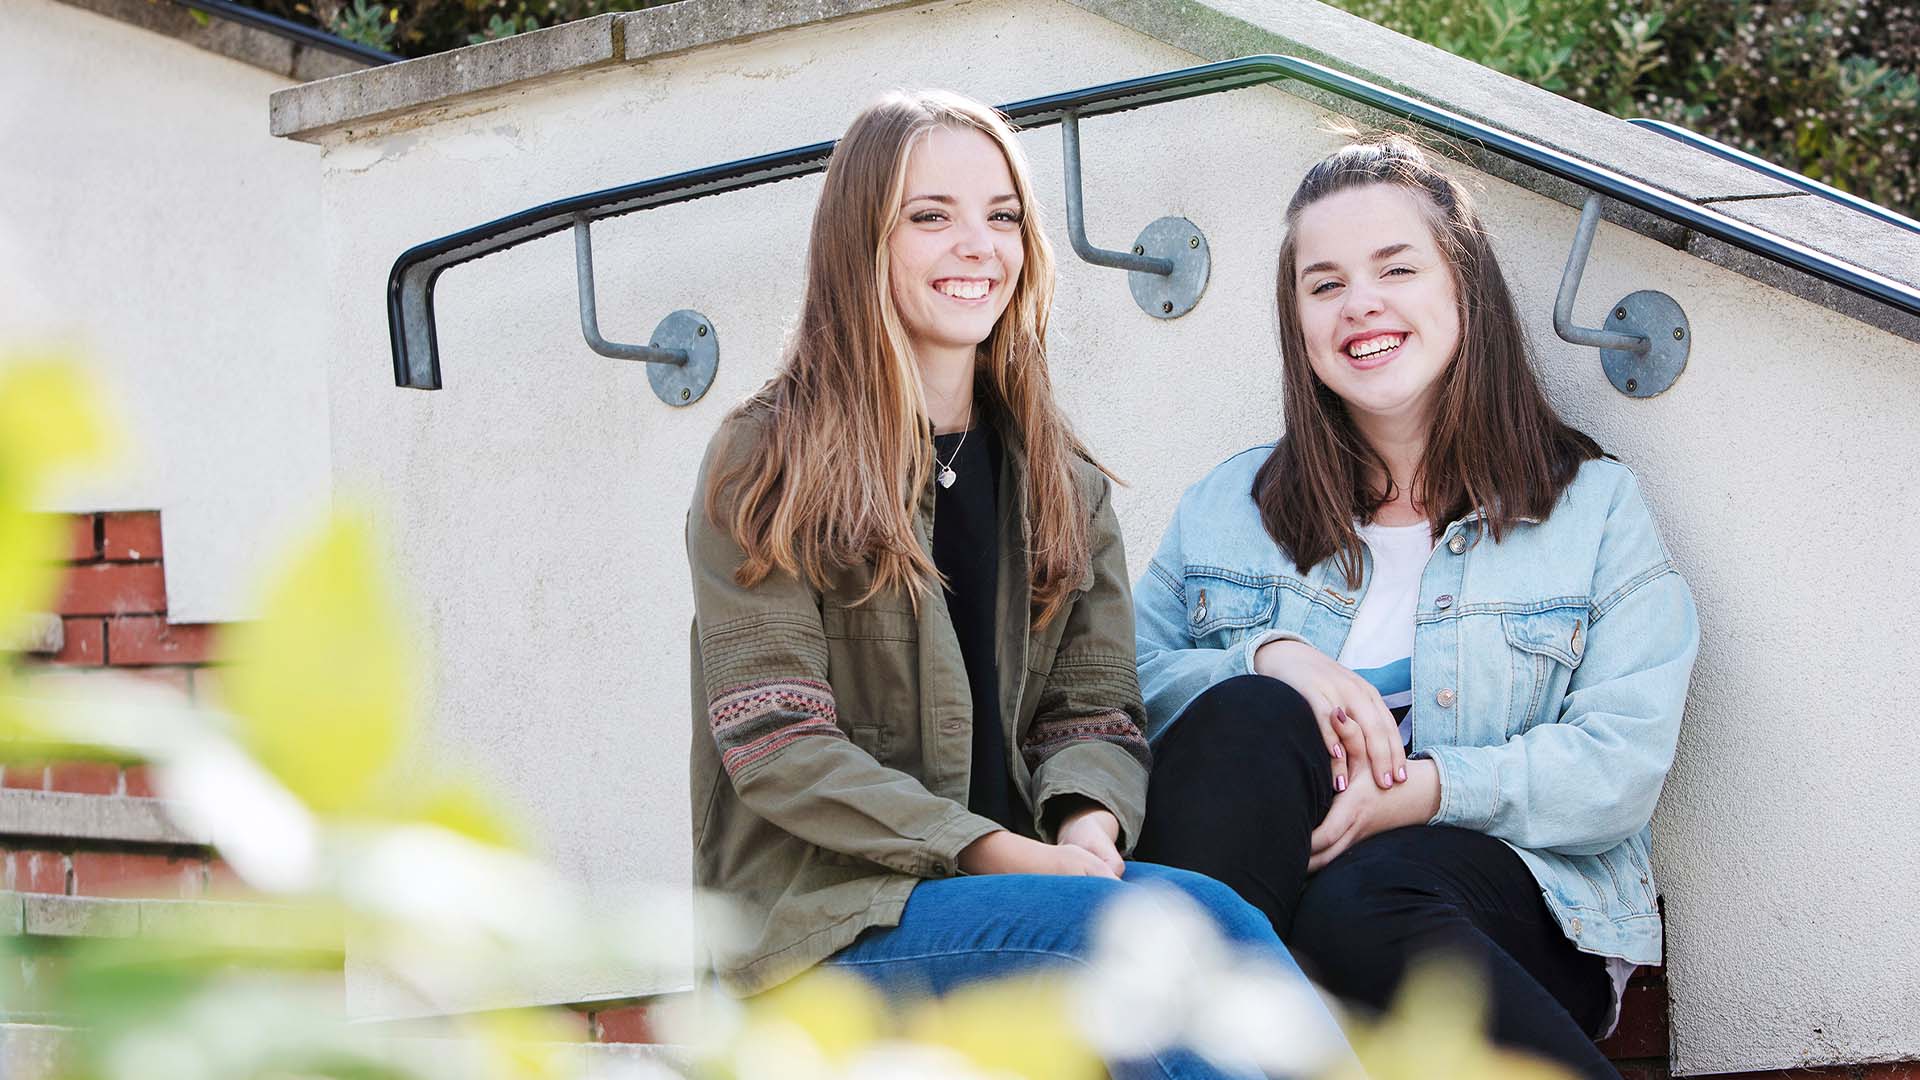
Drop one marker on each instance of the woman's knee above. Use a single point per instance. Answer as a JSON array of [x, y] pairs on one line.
[[1250, 694], [1242, 715], [1379, 882]]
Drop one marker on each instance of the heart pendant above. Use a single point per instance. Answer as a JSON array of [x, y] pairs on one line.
[[947, 477]]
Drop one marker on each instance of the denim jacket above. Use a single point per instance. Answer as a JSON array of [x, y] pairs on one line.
[[1549, 671]]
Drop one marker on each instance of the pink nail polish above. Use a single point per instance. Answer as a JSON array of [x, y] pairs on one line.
[[1339, 783], [1339, 752], [1386, 780], [1400, 774]]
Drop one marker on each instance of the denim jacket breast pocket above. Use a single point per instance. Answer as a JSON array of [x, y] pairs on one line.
[[1223, 609], [1544, 647]]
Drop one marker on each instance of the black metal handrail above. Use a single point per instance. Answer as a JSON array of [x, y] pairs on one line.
[[298, 33], [410, 320]]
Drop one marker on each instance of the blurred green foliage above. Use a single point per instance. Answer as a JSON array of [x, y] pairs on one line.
[[368, 24], [1828, 87]]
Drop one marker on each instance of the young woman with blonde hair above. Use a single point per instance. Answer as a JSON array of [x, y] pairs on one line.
[[917, 749], [1414, 673]]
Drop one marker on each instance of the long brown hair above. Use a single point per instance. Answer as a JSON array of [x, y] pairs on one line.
[[1496, 445], [844, 447]]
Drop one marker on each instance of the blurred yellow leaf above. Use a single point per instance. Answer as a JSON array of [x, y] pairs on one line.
[[461, 807], [322, 682], [49, 420], [841, 1013], [30, 548], [50, 416], [528, 1044], [1437, 1030], [1019, 1027]]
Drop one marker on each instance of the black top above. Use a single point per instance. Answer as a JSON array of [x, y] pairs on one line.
[[966, 549]]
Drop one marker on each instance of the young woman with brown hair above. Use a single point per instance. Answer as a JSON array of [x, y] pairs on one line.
[[1414, 673], [917, 751]]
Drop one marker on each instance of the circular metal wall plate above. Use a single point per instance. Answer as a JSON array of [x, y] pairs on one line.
[[684, 384], [1658, 317], [1171, 296]]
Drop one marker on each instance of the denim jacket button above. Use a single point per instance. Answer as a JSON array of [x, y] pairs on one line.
[[1577, 644], [1575, 923], [1445, 698], [1458, 544], [1443, 601]]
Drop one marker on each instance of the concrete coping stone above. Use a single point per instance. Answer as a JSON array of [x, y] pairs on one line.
[[225, 923], [427, 87], [247, 44], [107, 818], [306, 112]]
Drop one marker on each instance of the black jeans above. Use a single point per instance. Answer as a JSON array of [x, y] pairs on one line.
[[1238, 786]]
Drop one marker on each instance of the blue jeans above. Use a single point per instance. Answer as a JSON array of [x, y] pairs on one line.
[[959, 930]]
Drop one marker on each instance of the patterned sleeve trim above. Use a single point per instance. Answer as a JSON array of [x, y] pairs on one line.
[[1049, 737], [753, 721]]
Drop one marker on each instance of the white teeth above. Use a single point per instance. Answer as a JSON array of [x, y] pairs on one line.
[[1371, 346], [965, 290]]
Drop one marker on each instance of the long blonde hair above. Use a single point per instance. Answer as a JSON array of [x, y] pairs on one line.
[[843, 446]]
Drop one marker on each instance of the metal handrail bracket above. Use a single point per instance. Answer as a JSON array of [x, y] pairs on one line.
[[1168, 267], [416, 360], [684, 352], [1646, 348]]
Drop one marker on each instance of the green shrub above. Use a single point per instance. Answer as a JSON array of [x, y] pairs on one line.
[[368, 24], [1828, 87]]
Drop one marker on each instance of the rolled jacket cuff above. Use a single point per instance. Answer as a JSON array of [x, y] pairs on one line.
[[1239, 659], [1101, 773], [951, 838], [1467, 794]]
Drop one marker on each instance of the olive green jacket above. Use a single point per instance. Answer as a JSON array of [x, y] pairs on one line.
[[832, 741]]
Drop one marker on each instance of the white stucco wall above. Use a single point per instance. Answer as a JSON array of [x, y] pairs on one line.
[[147, 216], [536, 502]]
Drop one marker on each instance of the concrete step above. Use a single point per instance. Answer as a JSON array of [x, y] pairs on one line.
[[32, 1052], [104, 819]]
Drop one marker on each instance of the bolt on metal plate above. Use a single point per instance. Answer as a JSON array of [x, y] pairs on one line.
[[1173, 295], [1658, 318], [684, 384]]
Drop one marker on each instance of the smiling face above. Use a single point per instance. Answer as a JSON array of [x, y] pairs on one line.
[[955, 252], [1377, 301]]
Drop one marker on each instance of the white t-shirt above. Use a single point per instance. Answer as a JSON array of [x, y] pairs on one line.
[[1379, 649]]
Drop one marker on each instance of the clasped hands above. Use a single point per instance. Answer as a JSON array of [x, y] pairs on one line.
[[1087, 844], [1375, 787]]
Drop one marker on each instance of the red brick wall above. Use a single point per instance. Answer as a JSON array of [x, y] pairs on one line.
[[103, 870], [113, 610]]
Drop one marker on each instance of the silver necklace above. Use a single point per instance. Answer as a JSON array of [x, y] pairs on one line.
[[946, 476]]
